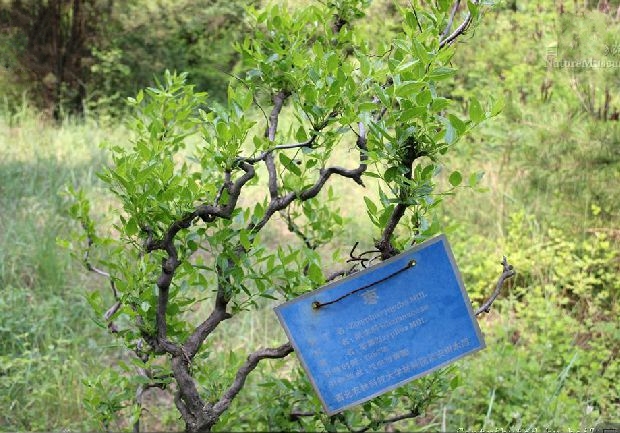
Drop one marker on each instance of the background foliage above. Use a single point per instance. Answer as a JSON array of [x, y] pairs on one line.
[[551, 175], [77, 56]]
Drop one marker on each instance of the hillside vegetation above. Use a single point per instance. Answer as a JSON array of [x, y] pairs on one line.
[[548, 201]]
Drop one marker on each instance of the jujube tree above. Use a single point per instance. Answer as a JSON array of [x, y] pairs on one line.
[[201, 182]]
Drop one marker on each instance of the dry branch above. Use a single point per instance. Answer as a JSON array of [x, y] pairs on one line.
[[507, 272]]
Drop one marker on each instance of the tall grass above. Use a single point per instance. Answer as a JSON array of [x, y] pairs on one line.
[[48, 342]]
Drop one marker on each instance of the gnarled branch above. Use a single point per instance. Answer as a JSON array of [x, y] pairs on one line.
[[219, 314], [384, 244], [282, 202], [243, 372]]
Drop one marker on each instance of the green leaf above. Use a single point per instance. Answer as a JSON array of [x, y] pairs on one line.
[[371, 174], [498, 106], [420, 51], [245, 240], [301, 134], [289, 164], [382, 95], [455, 178], [332, 63], [455, 382], [364, 66], [315, 273], [372, 208], [475, 178], [391, 174], [131, 228], [457, 123], [451, 135], [474, 9], [441, 73], [408, 89], [439, 104], [424, 97], [415, 112], [385, 215], [444, 5], [367, 106], [476, 112]]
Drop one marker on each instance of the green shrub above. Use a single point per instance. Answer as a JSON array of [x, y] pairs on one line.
[[551, 342]]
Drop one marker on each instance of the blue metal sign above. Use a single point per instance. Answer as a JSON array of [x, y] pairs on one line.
[[382, 327]]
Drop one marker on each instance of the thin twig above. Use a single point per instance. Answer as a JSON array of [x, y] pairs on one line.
[[508, 272], [411, 414], [246, 85], [89, 266], [296, 414], [308, 144], [360, 257], [225, 185], [295, 229]]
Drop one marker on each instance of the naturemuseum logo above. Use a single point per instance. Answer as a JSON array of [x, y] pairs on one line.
[[607, 427], [610, 59]]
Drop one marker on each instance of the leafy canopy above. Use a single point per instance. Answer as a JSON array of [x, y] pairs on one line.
[[201, 180]]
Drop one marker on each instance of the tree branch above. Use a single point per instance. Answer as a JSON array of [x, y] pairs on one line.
[[459, 30], [384, 244], [278, 103], [308, 143], [188, 401], [111, 312], [360, 257], [207, 213], [225, 186], [243, 372], [282, 202], [295, 229], [271, 130], [341, 273], [451, 19], [355, 174], [508, 272], [219, 314], [270, 134], [411, 414], [89, 266], [272, 183]]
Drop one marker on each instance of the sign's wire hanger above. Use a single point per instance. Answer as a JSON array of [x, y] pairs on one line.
[[507, 273], [410, 264]]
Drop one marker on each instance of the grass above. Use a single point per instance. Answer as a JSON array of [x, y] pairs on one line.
[[48, 342]]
